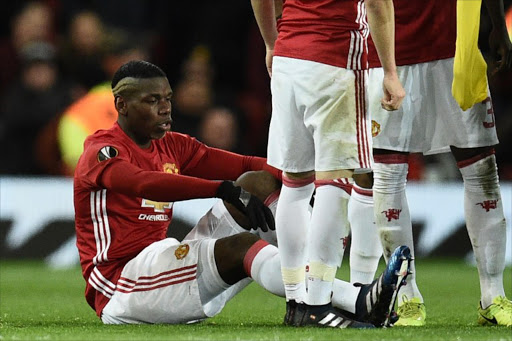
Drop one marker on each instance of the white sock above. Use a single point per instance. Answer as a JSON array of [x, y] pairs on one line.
[[365, 246], [392, 216], [344, 295], [485, 221], [292, 222], [261, 263], [327, 238]]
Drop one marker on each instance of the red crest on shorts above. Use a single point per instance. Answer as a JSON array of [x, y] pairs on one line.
[[182, 251]]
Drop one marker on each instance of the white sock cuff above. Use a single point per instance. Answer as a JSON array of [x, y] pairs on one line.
[[480, 175], [256, 255], [390, 178], [344, 184], [362, 195], [297, 183]]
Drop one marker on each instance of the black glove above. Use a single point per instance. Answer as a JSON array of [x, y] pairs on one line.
[[259, 215]]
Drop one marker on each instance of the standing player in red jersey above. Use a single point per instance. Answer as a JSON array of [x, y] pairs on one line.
[[124, 187], [430, 121], [319, 132]]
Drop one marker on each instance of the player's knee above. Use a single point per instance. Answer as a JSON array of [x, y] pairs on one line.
[[462, 155], [229, 255], [390, 173], [237, 244], [259, 183]]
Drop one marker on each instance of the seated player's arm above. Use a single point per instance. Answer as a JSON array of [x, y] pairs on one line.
[[122, 176], [220, 164]]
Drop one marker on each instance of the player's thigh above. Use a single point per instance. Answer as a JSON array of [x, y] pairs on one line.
[[290, 143], [393, 130], [472, 128], [336, 113], [162, 284], [422, 124]]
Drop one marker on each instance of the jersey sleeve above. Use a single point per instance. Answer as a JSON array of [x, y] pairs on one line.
[[212, 163], [109, 166]]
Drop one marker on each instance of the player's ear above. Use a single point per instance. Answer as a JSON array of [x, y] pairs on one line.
[[121, 105]]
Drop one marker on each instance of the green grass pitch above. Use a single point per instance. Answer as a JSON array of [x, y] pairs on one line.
[[38, 303]]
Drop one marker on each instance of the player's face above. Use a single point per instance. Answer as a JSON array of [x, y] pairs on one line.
[[149, 111]]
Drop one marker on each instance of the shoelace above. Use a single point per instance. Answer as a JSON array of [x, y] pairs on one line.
[[408, 308], [504, 303]]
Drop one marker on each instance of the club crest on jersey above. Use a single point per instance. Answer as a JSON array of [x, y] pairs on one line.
[[182, 251], [170, 168], [107, 152]]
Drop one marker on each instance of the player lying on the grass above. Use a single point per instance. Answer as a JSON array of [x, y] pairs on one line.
[[124, 186]]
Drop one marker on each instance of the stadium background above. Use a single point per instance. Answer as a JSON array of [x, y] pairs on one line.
[[206, 48]]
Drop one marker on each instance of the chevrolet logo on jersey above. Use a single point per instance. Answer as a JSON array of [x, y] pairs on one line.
[[157, 206], [106, 153]]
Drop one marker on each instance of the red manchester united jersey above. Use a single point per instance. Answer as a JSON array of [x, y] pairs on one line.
[[331, 32], [425, 31], [123, 197]]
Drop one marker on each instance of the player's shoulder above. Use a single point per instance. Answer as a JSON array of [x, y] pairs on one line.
[[176, 138], [101, 136], [105, 144]]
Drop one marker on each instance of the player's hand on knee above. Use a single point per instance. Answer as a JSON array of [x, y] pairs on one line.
[[259, 215]]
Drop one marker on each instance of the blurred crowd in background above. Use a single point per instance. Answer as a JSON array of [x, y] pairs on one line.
[[58, 57]]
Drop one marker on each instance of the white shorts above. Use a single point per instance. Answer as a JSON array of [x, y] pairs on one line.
[[160, 285], [319, 119], [430, 120], [173, 282]]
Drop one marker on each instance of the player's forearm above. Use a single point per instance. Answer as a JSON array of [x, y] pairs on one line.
[[264, 12], [496, 12], [223, 165], [381, 18], [128, 179]]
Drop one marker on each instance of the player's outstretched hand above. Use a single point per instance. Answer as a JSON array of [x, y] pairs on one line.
[[259, 215]]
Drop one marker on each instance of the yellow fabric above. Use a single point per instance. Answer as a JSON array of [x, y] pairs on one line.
[[71, 135], [470, 69], [96, 110]]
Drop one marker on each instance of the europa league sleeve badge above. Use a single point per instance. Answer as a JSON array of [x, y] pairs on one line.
[[107, 152]]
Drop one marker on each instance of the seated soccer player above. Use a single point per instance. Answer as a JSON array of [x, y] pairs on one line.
[[124, 187]]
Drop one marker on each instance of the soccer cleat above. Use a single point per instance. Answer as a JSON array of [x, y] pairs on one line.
[[498, 313], [301, 315], [411, 313], [289, 317], [376, 301]]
